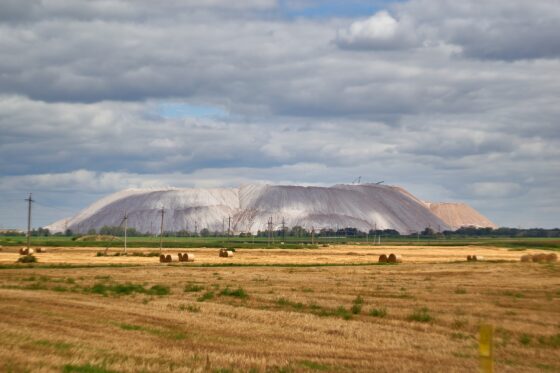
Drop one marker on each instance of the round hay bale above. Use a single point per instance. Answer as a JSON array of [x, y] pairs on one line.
[[477, 257], [538, 258], [229, 254], [552, 257], [394, 258], [382, 258], [22, 251], [223, 253], [162, 258], [30, 252], [188, 257], [168, 258], [526, 258], [469, 258], [181, 258]]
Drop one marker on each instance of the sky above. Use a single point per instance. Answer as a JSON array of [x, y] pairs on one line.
[[452, 100]]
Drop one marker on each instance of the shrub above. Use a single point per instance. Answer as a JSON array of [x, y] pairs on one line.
[[421, 315]]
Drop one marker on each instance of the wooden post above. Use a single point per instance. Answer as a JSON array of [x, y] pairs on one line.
[[486, 348]]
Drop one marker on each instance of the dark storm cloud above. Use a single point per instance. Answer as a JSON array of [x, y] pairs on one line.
[[453, 100]]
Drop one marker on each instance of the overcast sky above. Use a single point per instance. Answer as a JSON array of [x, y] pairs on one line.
[[453, 100]]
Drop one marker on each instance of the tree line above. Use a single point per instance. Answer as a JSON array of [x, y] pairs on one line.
[[299, 231]]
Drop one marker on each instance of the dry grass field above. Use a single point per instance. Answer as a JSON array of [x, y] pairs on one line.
[[272, 315]]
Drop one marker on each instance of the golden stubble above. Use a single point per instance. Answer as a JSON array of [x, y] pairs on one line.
[[279, 326]]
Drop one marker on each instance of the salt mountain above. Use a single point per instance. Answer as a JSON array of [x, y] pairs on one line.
[[365, 206]]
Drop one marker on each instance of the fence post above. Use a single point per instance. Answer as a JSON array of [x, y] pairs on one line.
[[486, 348]]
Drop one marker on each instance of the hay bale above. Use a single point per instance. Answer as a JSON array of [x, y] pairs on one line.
[[477, 257], [223, 253], [22, 251], [30, 252], [41, 250], [469, 258], [394, 258], [527, 258], [188, 257], [382, 258], [181, 257], [162, 258], [538, 258], [552, 257], [168, 258]]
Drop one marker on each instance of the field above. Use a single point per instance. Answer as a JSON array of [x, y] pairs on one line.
[[278, 310]]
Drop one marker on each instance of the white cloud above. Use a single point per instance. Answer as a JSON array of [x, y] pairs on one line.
[[380, 31]]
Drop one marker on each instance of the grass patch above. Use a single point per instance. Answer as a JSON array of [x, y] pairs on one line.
[[189, 307], [510, 293], [85, 368], [193, 288], [342, 312], [60, 346], [27, 259], [238, 293], [525, 339], [550, 341], [158, 290], [421, 315], [313, 365], [130, 327], [357, 305], [206, 296], [378, 312], [127, 289], [288, 303]]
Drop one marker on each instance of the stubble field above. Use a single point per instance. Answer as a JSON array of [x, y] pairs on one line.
[[327, 309]]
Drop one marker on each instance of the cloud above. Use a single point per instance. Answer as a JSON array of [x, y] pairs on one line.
[[495, 189], [456, 100], [380, 31]]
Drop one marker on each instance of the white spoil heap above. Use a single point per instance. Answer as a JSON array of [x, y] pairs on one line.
[[363, 206]]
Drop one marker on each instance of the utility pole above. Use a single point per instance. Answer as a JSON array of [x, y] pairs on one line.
[[196, 227], [29, 202], [312, 235], [223, 226], [125, 229], [162, 212], [269, 229], [283, 230], [228, 227]]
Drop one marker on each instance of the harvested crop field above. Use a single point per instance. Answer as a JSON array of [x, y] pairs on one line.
[[421, 315], [335, 254]]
